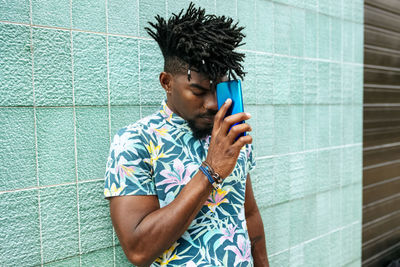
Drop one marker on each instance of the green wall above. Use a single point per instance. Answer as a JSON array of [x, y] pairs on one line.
[[73, 72]]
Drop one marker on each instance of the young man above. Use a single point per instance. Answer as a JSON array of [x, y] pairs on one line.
[[178, 181]]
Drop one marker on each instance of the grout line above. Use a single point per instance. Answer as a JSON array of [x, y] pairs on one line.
[[309, 151], [50, 186], [35, 133], [75, 134], [76, 30], [315, 238], [109, 112]]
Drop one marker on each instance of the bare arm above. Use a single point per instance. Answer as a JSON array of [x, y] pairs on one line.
[[255, 227], [144, 229]]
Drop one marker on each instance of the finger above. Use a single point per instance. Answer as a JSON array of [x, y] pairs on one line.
[[221, 113], [243, 140], [236, 130], [233, 119]]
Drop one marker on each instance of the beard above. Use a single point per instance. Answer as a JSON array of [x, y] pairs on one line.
[[199, 133]]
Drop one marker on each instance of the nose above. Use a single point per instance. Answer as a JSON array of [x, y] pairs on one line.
[[210, 102]]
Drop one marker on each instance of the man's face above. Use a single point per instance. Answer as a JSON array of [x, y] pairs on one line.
[[195, 101]]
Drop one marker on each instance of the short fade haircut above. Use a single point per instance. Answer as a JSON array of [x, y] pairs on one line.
[[204, 43]]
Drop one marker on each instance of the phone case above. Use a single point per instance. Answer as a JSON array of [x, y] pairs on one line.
[[233, 90]]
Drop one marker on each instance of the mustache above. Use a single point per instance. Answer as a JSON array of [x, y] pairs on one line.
[[208, 114]]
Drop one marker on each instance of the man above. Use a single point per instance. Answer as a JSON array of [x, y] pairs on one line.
[[164, 171]]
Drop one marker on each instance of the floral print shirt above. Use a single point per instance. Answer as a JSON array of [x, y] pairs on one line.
[[158, 155]]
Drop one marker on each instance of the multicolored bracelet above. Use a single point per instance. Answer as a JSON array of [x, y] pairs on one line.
[[212, 176]]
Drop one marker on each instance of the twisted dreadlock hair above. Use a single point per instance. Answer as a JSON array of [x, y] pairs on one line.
[[204, 43]]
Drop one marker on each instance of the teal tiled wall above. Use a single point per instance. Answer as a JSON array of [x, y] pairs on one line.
[[73, 72]]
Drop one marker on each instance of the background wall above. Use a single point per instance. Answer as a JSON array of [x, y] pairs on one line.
[[73, 72]]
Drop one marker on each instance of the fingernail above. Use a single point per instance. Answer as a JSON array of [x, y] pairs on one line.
[[228, 100], [248, 114]]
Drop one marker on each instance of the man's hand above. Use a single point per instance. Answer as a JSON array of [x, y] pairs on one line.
[[224, 151]]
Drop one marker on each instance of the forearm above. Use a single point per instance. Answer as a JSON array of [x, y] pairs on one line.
[[160, 229], [257, 239]]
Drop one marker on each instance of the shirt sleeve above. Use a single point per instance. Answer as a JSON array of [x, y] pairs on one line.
[[251, 159], [128, 171]]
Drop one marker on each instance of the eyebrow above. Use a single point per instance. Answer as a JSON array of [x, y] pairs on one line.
[[195, 85]]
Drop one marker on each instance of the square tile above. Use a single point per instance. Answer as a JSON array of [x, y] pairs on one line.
[[151, 65], [296, 256], [17, 154], [348, 124], [264, 77], [263, 182], [324, 7], [15, 65], [358, 11], [336, 39], [297, 176], [347, 84], [310, 38], [323, 83], [281, 179], [55, 145], [347, 10], [53, 67], [296, 134], [15, 11], [123, 116], [357, 124], [123, 17], [310, 82], [358, 84], [297, 212], [347, 41], [323, 213], [296, 81], [281, 74], [264, 26], [336, 209], [311, 253], [323, 126], [310, 219], [323, 244], [59, 219], [51, 13], [310, 168], [20, 237], [335, 8], [246, 15], [148, 110], [335, 83], [124, 71], [336, 248], [281, 29], [89, 15], [95, 221], [323, 172], [282, 128], [336, 125], [148, 9], [102, 257], [310, 127], [249, 84], [92, 141], [90, 69], [323, 36], [264, 131], [347, 168], [297, 32], [280, 234]]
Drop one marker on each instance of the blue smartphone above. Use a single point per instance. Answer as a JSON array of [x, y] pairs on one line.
[[233, 90]]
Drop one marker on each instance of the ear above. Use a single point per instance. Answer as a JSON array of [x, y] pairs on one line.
[[166, 81]]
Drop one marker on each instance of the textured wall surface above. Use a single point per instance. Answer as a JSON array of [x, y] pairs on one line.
[[72, 72]]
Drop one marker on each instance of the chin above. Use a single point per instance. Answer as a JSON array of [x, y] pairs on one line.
[[198, 131]]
